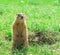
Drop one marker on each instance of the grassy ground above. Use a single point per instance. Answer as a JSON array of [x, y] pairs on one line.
[[40, 15]]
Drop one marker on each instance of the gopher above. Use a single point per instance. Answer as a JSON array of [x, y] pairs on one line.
[[19, 32]]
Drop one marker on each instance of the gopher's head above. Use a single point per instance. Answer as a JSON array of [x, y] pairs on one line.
[[20, 16]]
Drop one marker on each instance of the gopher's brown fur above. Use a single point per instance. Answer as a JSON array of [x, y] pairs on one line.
[[19, 32]]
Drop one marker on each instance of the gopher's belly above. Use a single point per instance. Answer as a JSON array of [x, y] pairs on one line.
[[19, 42], [18, 37]]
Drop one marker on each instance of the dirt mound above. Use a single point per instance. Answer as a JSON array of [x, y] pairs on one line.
[[41, 37]]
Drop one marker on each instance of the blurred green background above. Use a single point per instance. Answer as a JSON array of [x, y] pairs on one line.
[[39, 14]]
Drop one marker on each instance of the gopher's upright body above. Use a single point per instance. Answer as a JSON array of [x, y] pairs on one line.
[[19, 32]]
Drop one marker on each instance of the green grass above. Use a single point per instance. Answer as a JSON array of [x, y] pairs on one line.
[[40, 15]]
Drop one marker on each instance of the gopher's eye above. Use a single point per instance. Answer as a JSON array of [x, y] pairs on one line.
[[18, 15], [21, 17]]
